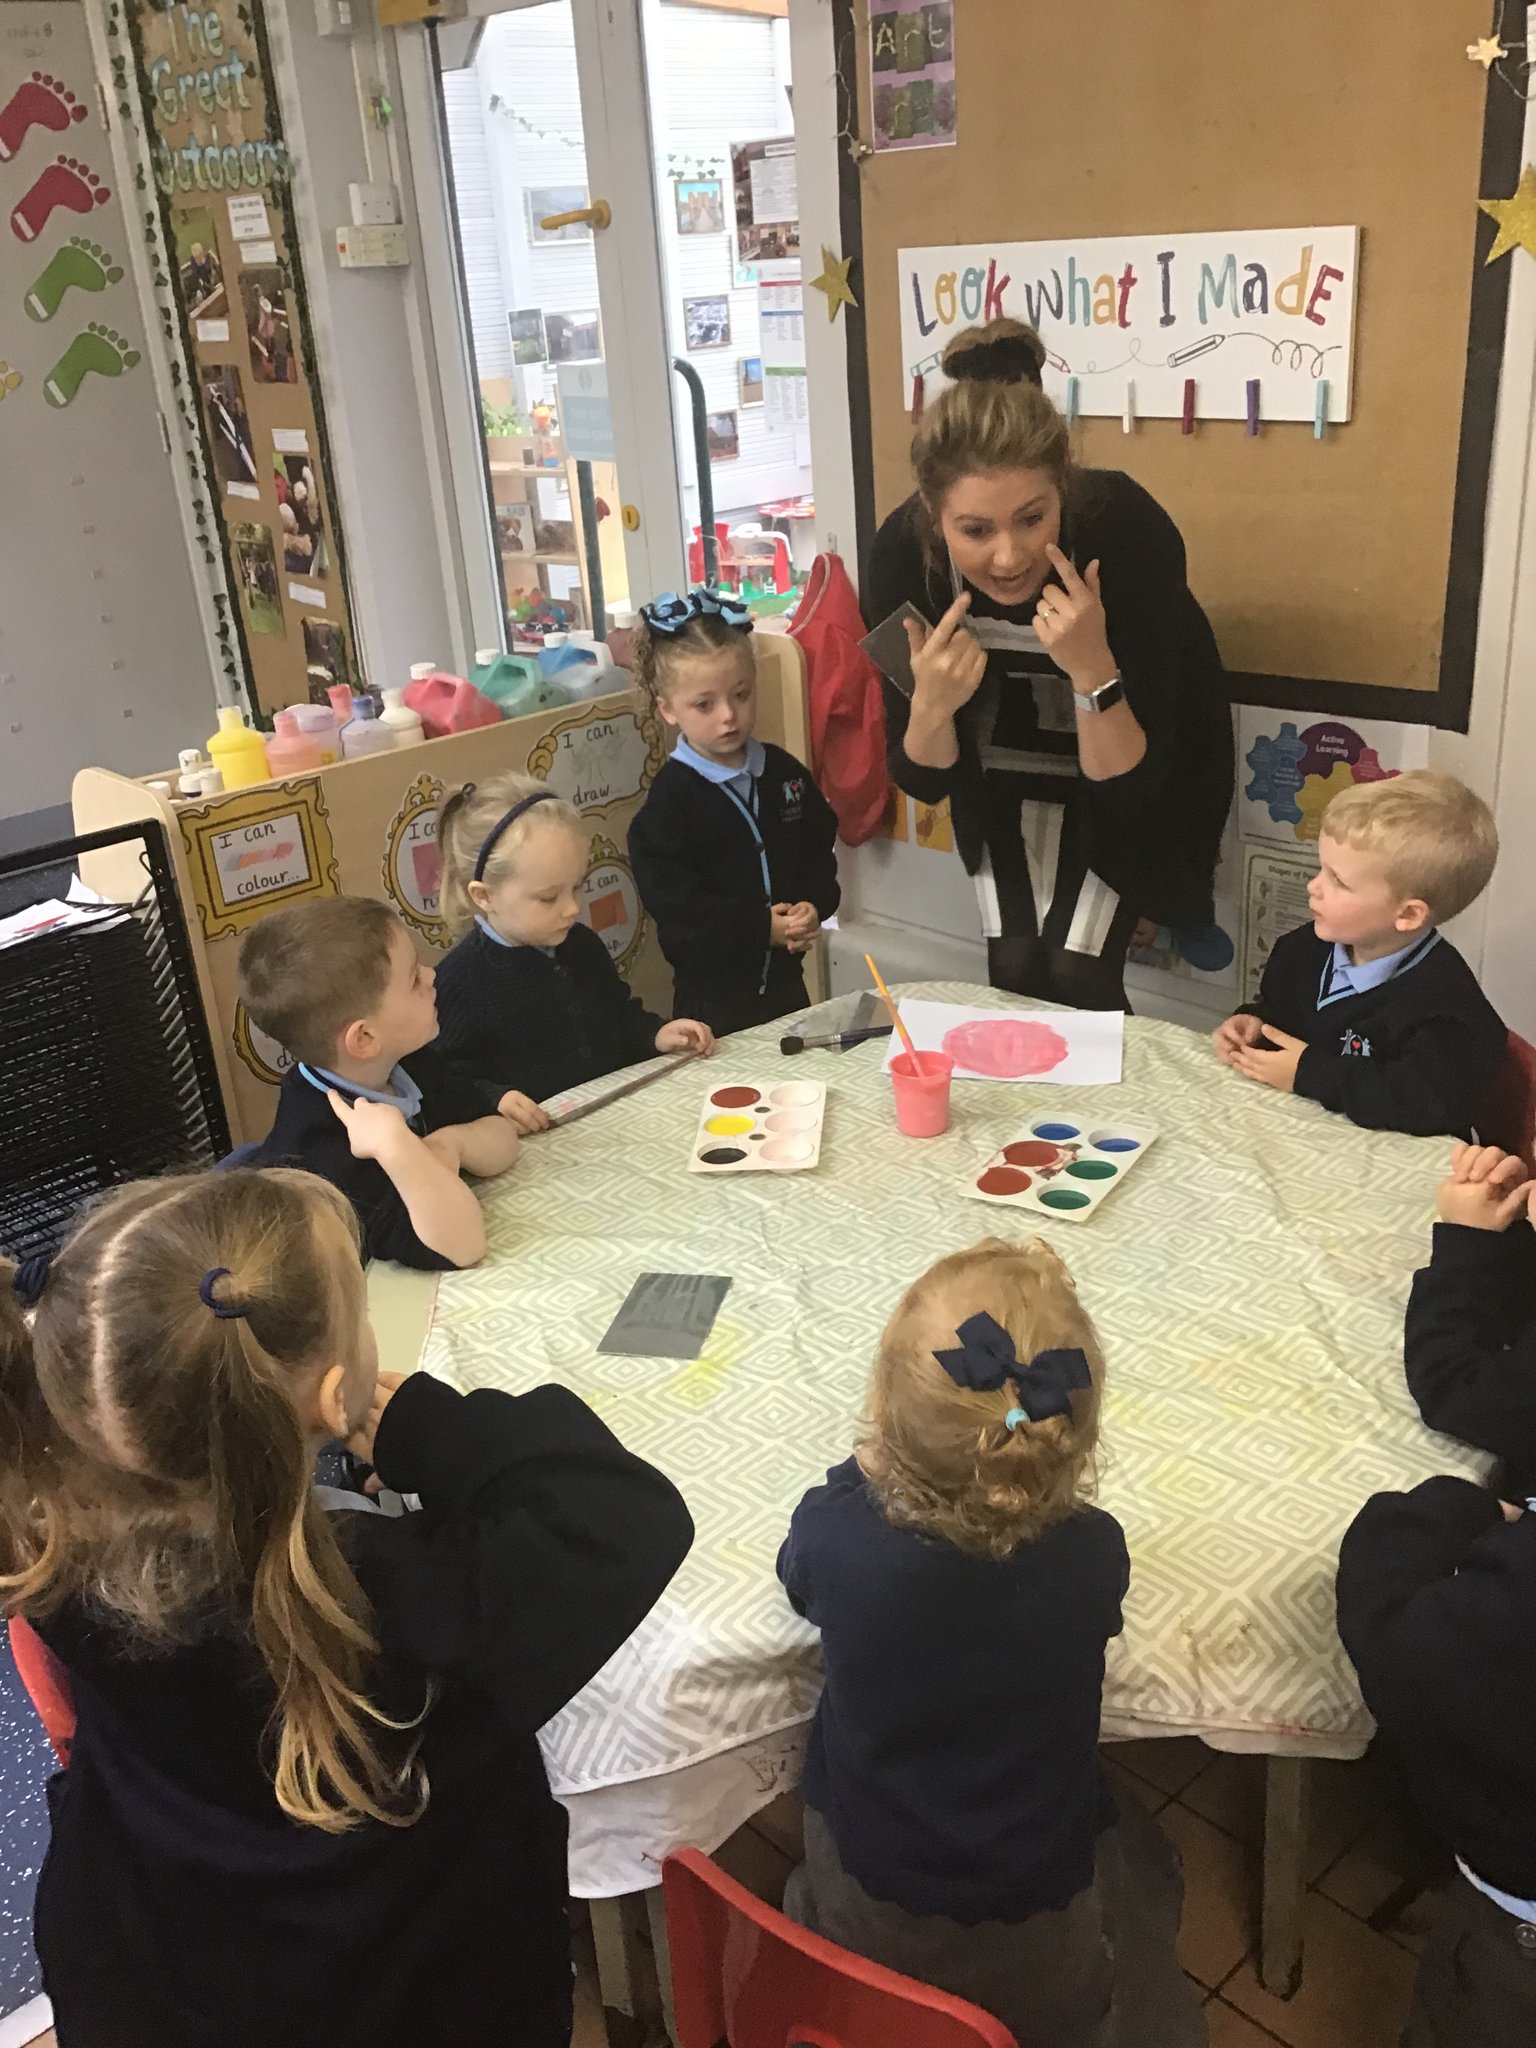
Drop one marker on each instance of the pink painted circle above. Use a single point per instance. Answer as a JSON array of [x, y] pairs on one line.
[[1005, 1048]]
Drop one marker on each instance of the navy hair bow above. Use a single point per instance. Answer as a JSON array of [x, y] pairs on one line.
[[986, 1360], [671, 614]]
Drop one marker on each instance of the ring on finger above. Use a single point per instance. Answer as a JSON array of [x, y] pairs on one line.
[[1046, 611]]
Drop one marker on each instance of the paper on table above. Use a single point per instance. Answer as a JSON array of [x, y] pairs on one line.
[[666, 1315], [1079, 1048]]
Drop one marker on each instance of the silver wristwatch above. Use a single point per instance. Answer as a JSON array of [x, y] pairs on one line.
[[1102, 699]]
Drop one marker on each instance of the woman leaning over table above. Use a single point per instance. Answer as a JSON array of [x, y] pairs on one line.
[[1070, 701]]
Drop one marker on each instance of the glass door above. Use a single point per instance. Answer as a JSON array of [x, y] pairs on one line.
[[617, 195], [548, 208]]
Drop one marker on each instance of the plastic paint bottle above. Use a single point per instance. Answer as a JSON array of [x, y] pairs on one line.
[[291, 750], [236, 751]]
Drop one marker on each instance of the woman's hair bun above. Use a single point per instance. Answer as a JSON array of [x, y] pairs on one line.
[[1003, 352]]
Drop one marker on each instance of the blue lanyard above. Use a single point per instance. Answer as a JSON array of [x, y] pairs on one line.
[[749, 812]]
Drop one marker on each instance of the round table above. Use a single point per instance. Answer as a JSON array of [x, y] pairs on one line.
[[1248, 1281]]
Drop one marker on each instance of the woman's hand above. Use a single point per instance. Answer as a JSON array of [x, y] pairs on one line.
[[948, 661], [1071, 625]]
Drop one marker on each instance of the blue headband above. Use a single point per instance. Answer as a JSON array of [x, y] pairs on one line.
[[986, 1360], [542, 796], [671, 614]]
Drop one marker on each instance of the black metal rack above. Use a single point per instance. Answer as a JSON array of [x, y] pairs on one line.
[[106, 1066]]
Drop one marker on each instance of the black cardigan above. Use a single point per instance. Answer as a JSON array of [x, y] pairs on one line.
[[954, 1753], [179, 1908], [699, 875], [1420, 1053], [1437, 1609], [1469, 1342], [307, 1132], [1155, 832], [540, 1022]]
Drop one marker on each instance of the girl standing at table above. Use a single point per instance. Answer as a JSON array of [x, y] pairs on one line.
[[305, 1801], [733, 848], [958, 1825], [1068, 698]]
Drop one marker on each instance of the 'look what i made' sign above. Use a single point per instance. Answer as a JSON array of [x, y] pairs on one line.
[[1133, 317]]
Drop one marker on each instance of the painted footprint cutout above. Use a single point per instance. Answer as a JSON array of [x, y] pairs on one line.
[[79, 266], [66, 182], [40, 102], [98, 350], [10, 380]]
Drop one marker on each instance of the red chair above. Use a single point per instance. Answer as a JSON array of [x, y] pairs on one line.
[[47, 1684], [745, 1976], [1510, 1120]]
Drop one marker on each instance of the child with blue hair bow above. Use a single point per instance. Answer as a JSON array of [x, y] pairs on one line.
[[958, 1823], [733, 847]]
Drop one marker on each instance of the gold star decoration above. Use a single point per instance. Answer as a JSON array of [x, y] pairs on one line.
[[1487, 51], [834, 281], [1516, 217]]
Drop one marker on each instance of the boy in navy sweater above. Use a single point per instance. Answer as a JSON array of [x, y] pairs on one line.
[[1437, 1609], [733, 847], [337, 983], [1469, 1343], [1369, 1010]]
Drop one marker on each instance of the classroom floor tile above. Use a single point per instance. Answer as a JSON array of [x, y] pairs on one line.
[[1168, 1762], [1229, 1793], [1229, 2029], [1355, 1985], [1217, 1927]]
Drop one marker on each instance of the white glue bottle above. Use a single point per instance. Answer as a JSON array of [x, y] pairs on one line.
[[404, 723]]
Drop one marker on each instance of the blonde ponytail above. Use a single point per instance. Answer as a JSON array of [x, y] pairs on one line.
[[160, 1463]]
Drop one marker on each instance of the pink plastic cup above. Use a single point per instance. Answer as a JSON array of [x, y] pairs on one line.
[[921, 1081]]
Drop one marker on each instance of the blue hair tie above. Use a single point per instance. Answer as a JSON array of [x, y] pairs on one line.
[[30, 1278], [226, 1311], [671, 614], [542, 796]]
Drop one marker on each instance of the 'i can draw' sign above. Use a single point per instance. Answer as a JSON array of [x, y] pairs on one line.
[[1132, 317]]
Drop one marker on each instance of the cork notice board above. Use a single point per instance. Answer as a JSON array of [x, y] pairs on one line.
[[1340, 574]]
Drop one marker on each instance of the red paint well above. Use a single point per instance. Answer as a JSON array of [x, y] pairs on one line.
[[1003, 1180], [733, 1098], [1031, 1152]]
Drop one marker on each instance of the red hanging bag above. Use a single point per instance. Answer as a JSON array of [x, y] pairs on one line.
[[847, 710]]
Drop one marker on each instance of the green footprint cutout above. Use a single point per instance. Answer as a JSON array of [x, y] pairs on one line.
[[99, 349], [79, 265]]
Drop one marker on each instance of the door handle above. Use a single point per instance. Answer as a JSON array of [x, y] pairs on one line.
[[598, 215]]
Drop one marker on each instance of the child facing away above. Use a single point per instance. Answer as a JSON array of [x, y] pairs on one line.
[[958, 1823], [305, 1802], [1437, 1609], [338, 984], [733, 846], [1369, 1010], [1469, 1338], [529, 995]]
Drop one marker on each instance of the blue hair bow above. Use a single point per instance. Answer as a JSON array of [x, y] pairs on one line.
[[986, 1360], [671, 614]]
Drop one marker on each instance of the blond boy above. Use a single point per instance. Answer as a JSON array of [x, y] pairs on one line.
[[338, 984], [1369, 1010]]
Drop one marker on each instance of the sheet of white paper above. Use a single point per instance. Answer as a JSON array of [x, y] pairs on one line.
[[1080, 1048]]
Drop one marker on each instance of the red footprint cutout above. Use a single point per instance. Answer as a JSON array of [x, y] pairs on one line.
[[40, 102], [64, 183]]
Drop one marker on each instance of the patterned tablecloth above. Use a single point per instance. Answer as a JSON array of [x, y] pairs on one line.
[[1248, 1281]]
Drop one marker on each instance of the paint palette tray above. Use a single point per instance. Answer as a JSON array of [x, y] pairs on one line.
[[772, 1127], [1062, 1165]]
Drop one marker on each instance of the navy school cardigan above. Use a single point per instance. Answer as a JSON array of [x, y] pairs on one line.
[[539, 1021], [700, 876], [954, 1753]]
